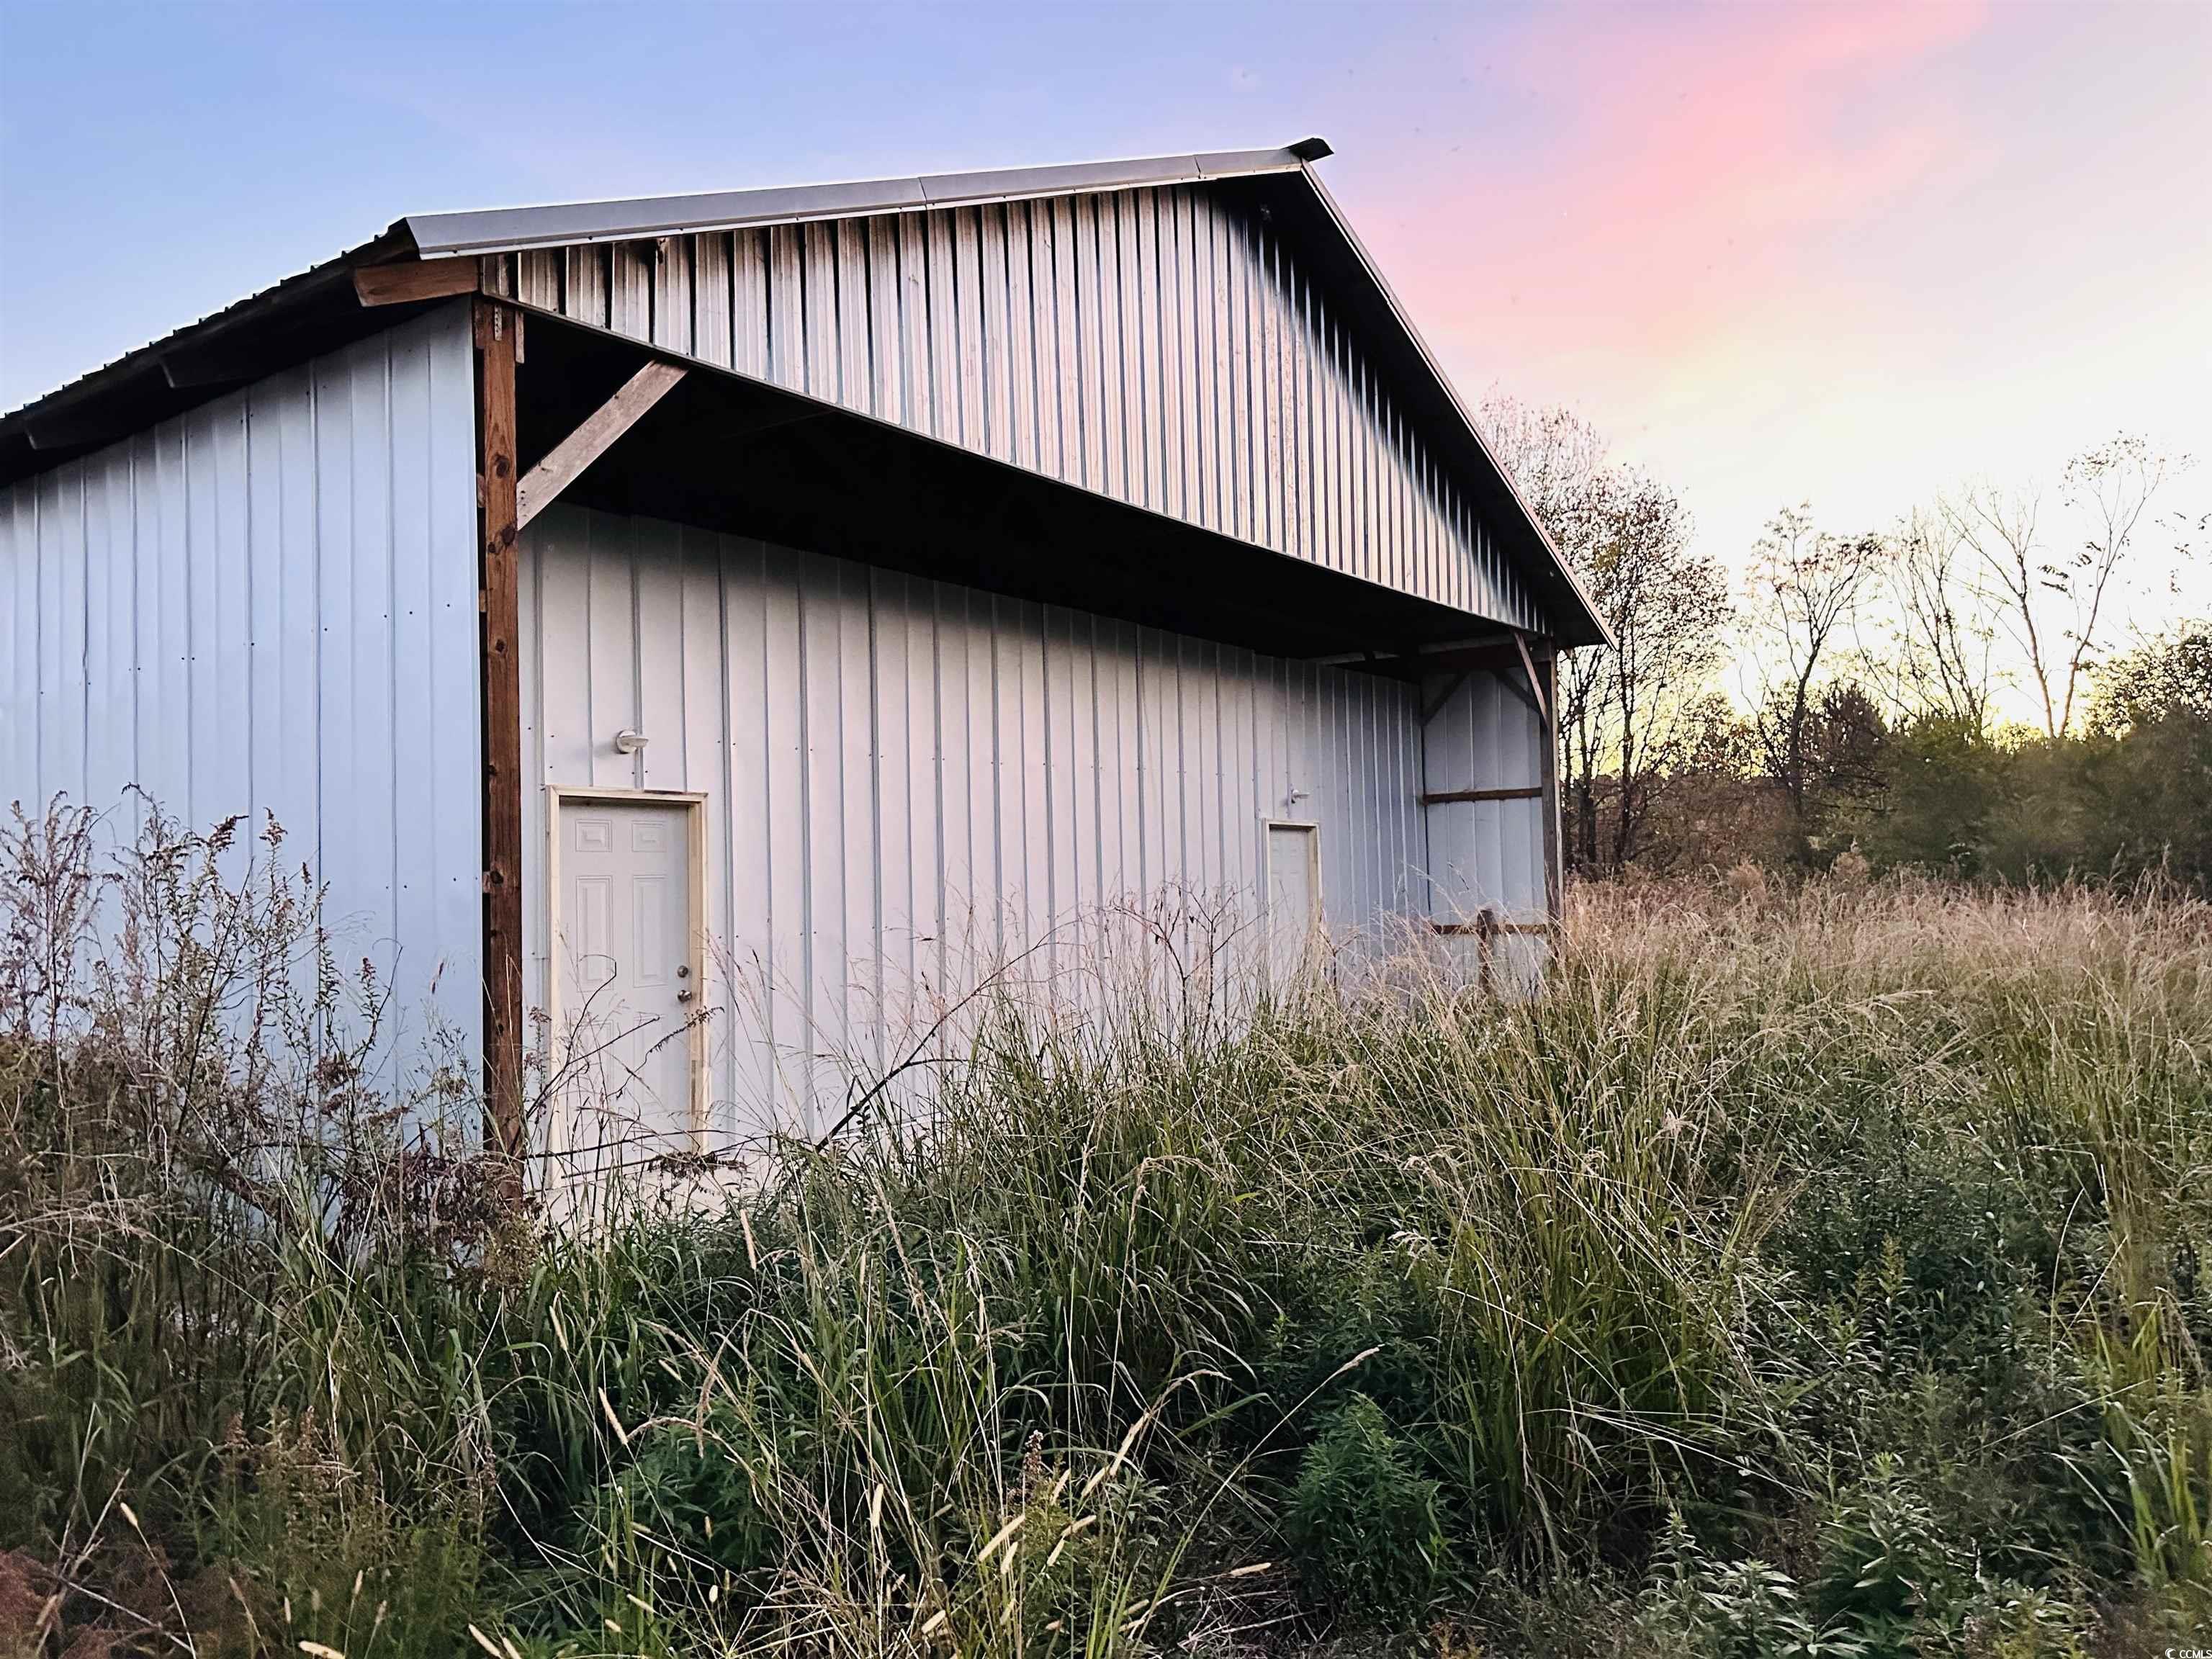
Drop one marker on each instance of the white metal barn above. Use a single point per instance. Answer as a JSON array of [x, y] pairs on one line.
[[750, 613]]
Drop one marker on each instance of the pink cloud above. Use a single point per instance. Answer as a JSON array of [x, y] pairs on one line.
[[1682, 159]]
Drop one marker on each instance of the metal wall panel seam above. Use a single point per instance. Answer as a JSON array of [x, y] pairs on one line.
[[1270, 385], [786, 309], [1138, 345], [856, 387], [914, 362], [817, 275], [1053, 420], [752, 316], [671, 265], [1177, 379], [942, 313], [997, 344], [1247, 486], [1089, 355], [886, 394], [1212, 292], [890, 687], [967, 288], [1021, 341], [1109, 298], [1195, 367], [875, 751], [147, 601]]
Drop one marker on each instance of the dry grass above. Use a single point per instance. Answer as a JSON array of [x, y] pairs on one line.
[[1857, 1225]]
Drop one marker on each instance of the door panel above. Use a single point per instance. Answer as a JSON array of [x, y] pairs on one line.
[[627, 978], [1293, 898]]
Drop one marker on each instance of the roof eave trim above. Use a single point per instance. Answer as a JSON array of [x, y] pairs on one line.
[[391, 245], [518, 230], [1343, 227]]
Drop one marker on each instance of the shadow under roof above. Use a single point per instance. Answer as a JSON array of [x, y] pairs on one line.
[[317, 311]]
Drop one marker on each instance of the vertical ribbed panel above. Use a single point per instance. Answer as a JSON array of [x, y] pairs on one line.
[[909, 781], [1486, 854], [268, 604], [1158, 346]]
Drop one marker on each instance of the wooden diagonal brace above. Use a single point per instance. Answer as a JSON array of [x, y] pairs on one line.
[[1535, 685], [1434, 705], [591, 439]]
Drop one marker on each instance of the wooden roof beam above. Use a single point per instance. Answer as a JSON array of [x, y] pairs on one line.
[[406, 281]]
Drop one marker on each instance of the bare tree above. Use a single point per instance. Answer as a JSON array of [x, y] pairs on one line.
[[1628, 537], [1804, 584], [1941, 637], [1667, 606], [1551, 454], [2053, 602], [1585, 716], [1554, 458]]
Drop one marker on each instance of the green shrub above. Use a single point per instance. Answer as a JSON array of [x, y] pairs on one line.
[[1456, 1298], [1888, 1571], [1366, 1529], [1695, 1608]]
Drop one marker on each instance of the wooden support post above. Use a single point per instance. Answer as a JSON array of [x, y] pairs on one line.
[[1554, 866], [497, 598]]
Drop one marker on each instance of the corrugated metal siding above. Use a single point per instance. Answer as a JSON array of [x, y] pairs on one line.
[[910, 782], [269, 604], [1157, 346], [1486, 854]]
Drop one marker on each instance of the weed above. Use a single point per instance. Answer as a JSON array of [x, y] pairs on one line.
[[1806, 1270]]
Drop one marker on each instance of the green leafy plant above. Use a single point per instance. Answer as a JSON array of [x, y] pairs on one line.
[[1366, 1529], [1449, 1295], [1700, 1609], [1887, 1568]]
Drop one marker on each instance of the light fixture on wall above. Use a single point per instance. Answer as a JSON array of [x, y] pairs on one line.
[[627, 742]]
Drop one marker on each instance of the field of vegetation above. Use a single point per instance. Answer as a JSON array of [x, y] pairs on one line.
[[1814, 1268]]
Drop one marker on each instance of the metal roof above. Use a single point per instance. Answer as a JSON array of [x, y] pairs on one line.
[[313, 311], [1564, 584], [515, 230]]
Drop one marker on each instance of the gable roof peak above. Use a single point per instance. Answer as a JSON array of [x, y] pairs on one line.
[[513, 230]]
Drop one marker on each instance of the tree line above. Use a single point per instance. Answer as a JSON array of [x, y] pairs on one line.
[[1958, 692]]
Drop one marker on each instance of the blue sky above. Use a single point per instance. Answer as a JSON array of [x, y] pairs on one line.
[[1848, 253]]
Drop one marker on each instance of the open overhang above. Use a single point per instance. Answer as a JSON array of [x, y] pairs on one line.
[[725, 452], [326, 308]]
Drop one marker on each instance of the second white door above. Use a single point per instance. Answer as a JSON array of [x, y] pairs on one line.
[[1293, 898]]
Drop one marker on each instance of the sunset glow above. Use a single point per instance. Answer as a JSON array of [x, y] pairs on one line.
[[1847, 253]]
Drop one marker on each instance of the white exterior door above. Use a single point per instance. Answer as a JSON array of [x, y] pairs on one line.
[[1293, 898], [629, 975]]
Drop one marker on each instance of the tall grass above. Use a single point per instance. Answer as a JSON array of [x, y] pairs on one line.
[[1813, 1267]]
